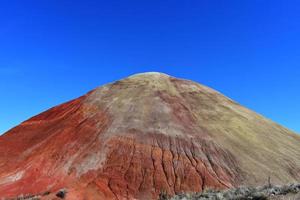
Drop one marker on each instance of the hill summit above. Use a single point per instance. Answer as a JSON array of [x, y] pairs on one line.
[[137, 137]]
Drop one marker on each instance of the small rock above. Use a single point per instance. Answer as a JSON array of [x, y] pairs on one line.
[[61, 193]]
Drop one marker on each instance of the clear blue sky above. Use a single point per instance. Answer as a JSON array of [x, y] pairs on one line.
[[53, 51]]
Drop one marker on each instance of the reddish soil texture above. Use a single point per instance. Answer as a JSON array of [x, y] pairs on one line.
[[136, 166]]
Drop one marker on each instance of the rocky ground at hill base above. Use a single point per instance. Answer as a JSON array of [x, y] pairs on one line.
[[268, 192]]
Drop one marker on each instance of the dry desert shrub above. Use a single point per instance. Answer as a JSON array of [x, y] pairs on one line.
[[268, 192]]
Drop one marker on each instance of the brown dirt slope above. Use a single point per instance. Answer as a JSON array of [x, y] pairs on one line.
[[142, 135]]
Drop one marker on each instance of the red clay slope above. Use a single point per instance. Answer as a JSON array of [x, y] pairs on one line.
[[137, 137]]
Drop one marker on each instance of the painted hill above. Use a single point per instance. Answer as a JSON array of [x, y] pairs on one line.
[[142, 135]]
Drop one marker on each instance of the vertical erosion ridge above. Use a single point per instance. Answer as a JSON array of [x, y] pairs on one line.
[[136, 169]]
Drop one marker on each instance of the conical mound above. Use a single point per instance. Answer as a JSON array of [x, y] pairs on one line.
[[140, 136]]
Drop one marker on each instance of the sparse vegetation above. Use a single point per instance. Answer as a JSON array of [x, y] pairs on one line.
[[60, 194], [267, 192]]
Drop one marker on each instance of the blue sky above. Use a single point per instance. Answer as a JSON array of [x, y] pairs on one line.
[[53, 51]]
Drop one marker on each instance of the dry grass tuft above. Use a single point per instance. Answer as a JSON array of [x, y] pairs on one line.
[[268, 192]]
